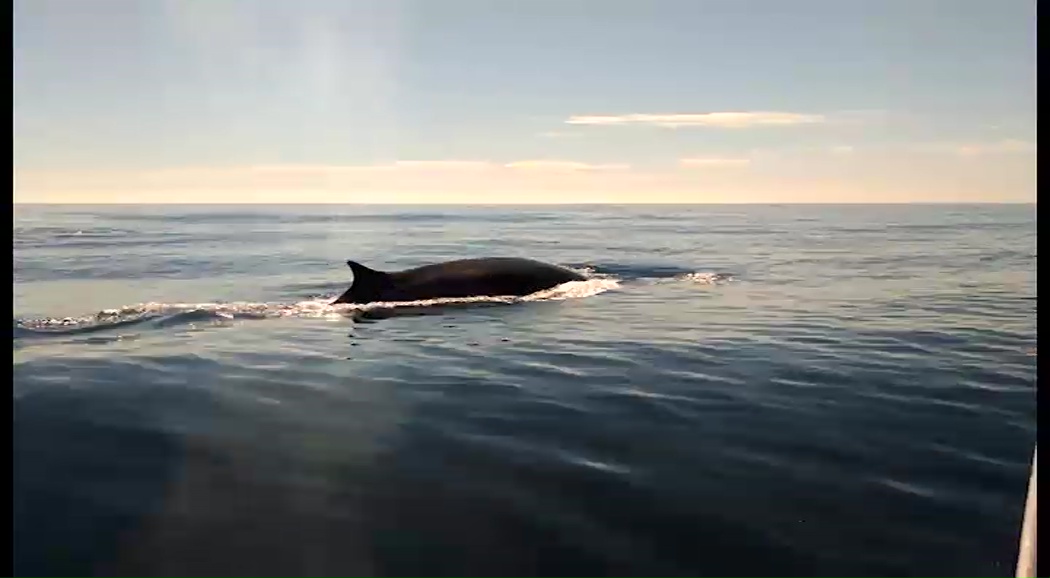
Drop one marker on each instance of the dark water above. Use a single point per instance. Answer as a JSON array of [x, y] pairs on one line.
[[790, 390]]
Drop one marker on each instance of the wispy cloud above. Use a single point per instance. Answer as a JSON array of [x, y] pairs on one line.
[[805, 177], [973, 148], [714, 162], [442, 165], [263, 181], [1006, 146], [301, 169], [545, 165], [427, 166], [948, 148], [558, 134], [708, 119]]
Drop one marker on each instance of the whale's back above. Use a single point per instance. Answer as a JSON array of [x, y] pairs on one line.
[[486, 277], [479, 277]]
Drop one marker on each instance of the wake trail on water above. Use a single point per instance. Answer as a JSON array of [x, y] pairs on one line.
[[164, 315], [161, 315]]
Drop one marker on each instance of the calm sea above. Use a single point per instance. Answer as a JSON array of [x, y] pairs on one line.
[[761, 390]]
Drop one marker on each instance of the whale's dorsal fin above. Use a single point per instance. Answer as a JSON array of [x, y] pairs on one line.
[[366, 276], [366, 279], [362, 272], [368, 284]]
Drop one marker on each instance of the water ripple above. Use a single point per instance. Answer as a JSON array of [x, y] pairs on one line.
[[762, 390]]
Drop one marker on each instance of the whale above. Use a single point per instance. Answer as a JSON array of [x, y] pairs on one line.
[[482, 277]]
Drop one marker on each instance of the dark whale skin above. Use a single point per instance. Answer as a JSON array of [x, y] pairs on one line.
[[484, 277]]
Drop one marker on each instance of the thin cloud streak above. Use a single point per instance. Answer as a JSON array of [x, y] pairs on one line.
[[730, 120], [893, 174], [713, 162], [440, 165], [1007, 146], [542, 165], [969, 149], [557, 134]]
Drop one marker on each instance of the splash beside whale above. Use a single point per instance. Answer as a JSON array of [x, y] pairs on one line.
[[484, 277]]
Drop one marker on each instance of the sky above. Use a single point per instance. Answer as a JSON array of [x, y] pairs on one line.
[[539, 101]]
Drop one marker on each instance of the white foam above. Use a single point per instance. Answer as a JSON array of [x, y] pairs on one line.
[[320, 307], [707, 278], [570, 290]]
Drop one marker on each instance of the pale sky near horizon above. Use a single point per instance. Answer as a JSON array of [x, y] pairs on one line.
[[545, 101]]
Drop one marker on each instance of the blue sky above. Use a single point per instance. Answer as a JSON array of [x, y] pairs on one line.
[[545, 100]]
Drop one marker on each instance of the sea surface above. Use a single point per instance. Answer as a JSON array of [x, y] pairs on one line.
[[735, 390]]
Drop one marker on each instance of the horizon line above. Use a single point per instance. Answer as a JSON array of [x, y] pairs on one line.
[[568, 204]]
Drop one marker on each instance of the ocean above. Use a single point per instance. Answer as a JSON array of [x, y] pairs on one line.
[[735, 390]]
